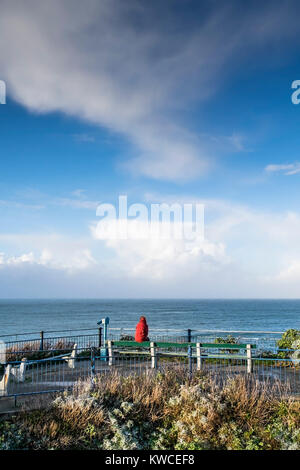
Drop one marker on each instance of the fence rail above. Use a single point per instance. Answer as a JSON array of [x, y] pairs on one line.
[[53, 370]]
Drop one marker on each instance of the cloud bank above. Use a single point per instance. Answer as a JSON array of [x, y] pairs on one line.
[[245, 253]]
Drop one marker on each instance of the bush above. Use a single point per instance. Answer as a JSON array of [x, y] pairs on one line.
[[160, 410], [12, 437], [124, 337], [288, 340], [229, 340]]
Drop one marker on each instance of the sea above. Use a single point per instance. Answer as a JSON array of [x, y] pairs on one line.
[[28, 316]]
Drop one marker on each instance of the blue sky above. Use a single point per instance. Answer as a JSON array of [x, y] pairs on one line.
[[175, 103]]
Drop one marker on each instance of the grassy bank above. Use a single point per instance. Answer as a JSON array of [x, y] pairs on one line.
[[160, 411]]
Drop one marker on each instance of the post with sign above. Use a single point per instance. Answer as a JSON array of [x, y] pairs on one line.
[[104, 351]]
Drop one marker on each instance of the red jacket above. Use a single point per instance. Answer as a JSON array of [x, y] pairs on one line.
[[141, 331]]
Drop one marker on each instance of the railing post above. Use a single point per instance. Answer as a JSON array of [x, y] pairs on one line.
[[99, 337], [104, 322], [18, 372], [5, 381], [2, 352], [93, 371], [189, 337], [42, 341], [249, 358], [190, 360], [110, 353], [153, 355], [199, 358]]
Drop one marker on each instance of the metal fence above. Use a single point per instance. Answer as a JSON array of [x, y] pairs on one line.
[[58, 370], [264, 340], [18, 344], [49, 366], [92, 337]]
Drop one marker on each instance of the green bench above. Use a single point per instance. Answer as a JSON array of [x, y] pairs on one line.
[[150, 348]]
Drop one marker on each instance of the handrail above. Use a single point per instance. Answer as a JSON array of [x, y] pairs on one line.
[[48, 331], [166, 330], [161, 344]]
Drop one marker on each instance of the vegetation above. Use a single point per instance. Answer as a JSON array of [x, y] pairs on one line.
[[229, 340], [289, 340], [124, 337], [161, 410], [32, 351]]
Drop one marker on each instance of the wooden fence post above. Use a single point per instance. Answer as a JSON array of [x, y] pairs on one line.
[[249, 359], [199, 358], [153, 356], [110, 353]]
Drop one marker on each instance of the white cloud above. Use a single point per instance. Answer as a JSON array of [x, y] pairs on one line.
[[246, 253], [132, 67], [251, 246], [287, 169], [291, 273], [15, 260], [51, 251], [151, 257]]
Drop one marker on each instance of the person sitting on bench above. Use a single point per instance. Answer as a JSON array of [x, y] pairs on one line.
[[141, 331]]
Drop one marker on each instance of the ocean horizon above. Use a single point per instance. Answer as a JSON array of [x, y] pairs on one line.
[[33, 315]]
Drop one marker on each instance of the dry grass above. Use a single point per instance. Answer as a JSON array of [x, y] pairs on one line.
[[165, 411], [31, 350]]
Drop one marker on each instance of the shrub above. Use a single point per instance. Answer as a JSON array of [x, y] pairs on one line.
[[288, 338], [288, 341], [124, 337], [229, 340], [160, 410], [12, 436], [296, 354]]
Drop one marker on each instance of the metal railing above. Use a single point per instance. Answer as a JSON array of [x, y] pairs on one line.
[[39, 347], [263, 339], [57, 370]]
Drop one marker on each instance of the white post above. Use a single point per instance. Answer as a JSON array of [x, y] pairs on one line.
[[72, 358], [5, 380], [199, 358], [110, 353], [2, 352], [153, 356], [22, 369], [249, 358], [19, 372]]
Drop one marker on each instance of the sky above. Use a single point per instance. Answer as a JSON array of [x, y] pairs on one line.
[[166, 102]]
